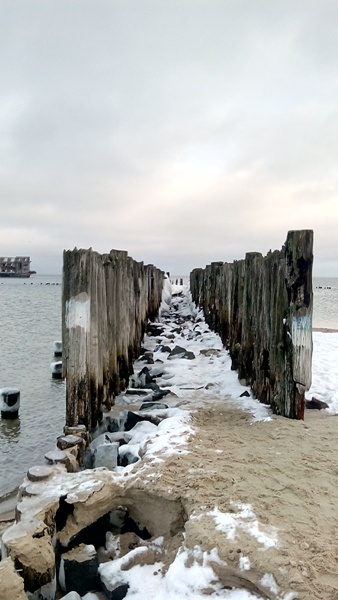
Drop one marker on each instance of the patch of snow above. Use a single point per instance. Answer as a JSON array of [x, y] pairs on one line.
[[324, 370], [180, 581], [269, 582], [246, 520], [244, 563]]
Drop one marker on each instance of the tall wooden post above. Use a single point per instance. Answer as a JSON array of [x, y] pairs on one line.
[[262, 308], [106, 302]]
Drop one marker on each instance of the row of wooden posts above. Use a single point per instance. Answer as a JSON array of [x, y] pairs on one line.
[[260, 306], [262, 309], [107, 301]]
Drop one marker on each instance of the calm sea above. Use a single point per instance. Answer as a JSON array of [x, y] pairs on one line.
[[30, 322]]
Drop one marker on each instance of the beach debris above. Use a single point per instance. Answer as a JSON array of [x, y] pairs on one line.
[[315, 403]]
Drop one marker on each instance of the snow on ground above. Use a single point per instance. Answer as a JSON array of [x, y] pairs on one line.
[[195, 382], [206, 378], [178, 583], [324, 370]]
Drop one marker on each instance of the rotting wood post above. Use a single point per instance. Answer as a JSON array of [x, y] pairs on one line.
[[106, 302], [262, 308], [298, 281]]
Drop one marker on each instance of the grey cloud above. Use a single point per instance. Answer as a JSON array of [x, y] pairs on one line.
[[183, 131]]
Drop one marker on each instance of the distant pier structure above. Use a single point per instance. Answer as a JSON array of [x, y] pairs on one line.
[[15, 266]]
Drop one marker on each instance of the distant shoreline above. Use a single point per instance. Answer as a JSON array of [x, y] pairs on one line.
[[325, 329]]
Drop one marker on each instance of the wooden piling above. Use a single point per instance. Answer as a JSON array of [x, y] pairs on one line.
[[262, 309], [106, 302]]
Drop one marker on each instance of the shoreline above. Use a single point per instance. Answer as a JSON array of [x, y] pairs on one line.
[[8, 501], [7, 509], [324, 330]]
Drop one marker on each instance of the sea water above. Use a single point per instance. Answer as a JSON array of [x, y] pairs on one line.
[[30, 321]]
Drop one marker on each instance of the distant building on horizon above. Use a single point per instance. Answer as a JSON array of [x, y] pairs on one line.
[[17, 266]]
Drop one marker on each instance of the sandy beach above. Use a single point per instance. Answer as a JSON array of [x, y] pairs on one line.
[[284, 471]]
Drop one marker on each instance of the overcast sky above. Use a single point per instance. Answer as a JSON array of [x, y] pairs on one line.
[[183, 131]]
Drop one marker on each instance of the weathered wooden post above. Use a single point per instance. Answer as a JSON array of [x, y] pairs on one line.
[[106, 302], [298, 282], [262, 308]]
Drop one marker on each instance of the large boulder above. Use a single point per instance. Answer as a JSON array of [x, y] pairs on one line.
[[106, 455]]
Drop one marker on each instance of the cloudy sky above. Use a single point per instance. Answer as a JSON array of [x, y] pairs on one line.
[[183, 131]]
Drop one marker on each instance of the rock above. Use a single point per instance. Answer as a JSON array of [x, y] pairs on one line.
[[155, 329], [177, 352], [71, 596], [93, 458], [147, 357], [106, 438], [159, 394], [118, 436], [79, 570], [106, 455], [113, 424], [314, 403], [152, 386], [117, 592], [95, 596], [191, 335], [164, 349], [136, 434], [88, 459], [245, 394], [11, 584], [157, 371], [133, 419], [144, 377], [128, 455], [210, 352], [153, 406]]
